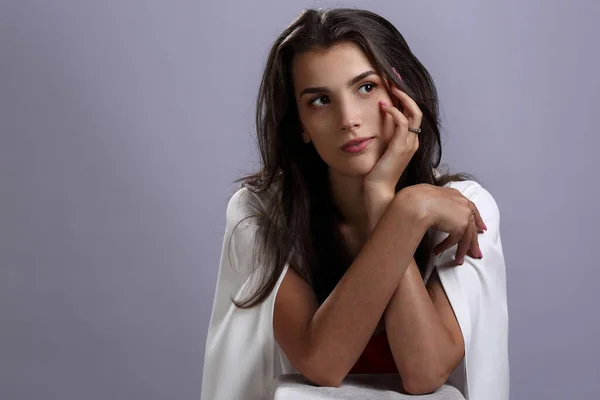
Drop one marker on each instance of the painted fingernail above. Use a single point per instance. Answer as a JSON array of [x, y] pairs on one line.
[[484, 226], [480, 255], [383, 103], [397, 73], [460, 261]]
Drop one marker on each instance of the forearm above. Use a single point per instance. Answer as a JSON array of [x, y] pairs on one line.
[[377, 202], [344, 323], [421, 344]]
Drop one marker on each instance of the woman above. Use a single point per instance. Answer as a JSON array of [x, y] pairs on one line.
[[349, 252]]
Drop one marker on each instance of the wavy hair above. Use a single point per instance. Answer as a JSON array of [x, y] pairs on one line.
[[298, 222]]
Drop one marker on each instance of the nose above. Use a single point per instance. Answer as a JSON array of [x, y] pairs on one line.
[[350, 116]]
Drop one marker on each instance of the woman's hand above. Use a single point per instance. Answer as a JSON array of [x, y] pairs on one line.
[[447, 210], [380, 182], [404, 144]]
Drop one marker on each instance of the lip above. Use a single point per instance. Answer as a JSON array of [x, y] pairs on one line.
[[356, 145]]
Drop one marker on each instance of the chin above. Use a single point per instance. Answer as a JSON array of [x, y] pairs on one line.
[[359, 167]]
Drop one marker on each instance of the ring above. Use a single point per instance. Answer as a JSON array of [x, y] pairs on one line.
[[415, 130]]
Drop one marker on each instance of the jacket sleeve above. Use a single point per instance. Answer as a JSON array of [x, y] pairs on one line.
[[239, 352], [477, 292]]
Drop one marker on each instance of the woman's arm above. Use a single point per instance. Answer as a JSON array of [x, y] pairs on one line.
[[323, 343], [424, 336]]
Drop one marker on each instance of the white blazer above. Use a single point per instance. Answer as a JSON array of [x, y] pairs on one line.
[[242, 357]]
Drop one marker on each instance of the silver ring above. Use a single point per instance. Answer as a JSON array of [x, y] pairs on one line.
[[415, 130]]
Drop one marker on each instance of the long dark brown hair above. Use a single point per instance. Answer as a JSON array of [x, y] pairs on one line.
[[298, 222]]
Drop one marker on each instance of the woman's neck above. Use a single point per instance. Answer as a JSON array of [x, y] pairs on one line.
[[348, 197]]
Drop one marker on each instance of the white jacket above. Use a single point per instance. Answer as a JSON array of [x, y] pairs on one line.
[[242, 357]]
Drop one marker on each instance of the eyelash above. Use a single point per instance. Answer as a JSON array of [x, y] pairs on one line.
[[373, 85]]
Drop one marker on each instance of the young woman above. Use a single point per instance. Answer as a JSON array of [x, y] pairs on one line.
[[349, 252]]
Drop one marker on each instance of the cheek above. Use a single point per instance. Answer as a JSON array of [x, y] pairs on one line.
[[318, 126]]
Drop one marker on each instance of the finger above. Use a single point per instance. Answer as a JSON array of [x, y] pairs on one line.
[[478, 224], [478, 220], [399, 119], [402, 83], [409, 106], [398, 75], [402, 138], [447, 243], [475, 250], [401, 132], [463, 245], [399, 150]]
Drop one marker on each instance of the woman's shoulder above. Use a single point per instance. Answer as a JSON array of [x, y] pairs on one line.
[[243, 204], [464, 183], [465, 186]]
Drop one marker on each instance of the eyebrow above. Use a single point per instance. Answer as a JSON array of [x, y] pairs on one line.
[[323, 89]]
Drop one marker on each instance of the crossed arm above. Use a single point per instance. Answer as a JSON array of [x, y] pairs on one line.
[[323, 342], [424, 335]]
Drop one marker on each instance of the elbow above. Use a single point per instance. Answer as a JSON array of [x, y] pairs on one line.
[[421, 381], [421, 385], [326, 381], [323, 379], [322, 374]]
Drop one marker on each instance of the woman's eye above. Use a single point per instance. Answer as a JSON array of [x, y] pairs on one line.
[[320, 101], [368, 88]]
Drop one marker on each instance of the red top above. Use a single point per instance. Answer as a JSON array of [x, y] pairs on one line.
[[376, 358]]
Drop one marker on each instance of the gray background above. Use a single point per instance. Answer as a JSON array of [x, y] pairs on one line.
[[124, 123]]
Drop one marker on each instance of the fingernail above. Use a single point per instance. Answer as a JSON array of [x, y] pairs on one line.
[[460, 261], [383, 103], [484, 226], [480, 254], [399, 76]]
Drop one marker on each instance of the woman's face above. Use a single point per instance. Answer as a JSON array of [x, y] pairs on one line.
[[338, 92]]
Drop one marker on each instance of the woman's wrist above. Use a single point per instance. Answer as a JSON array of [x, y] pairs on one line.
[[410, 202], [377, 201]]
